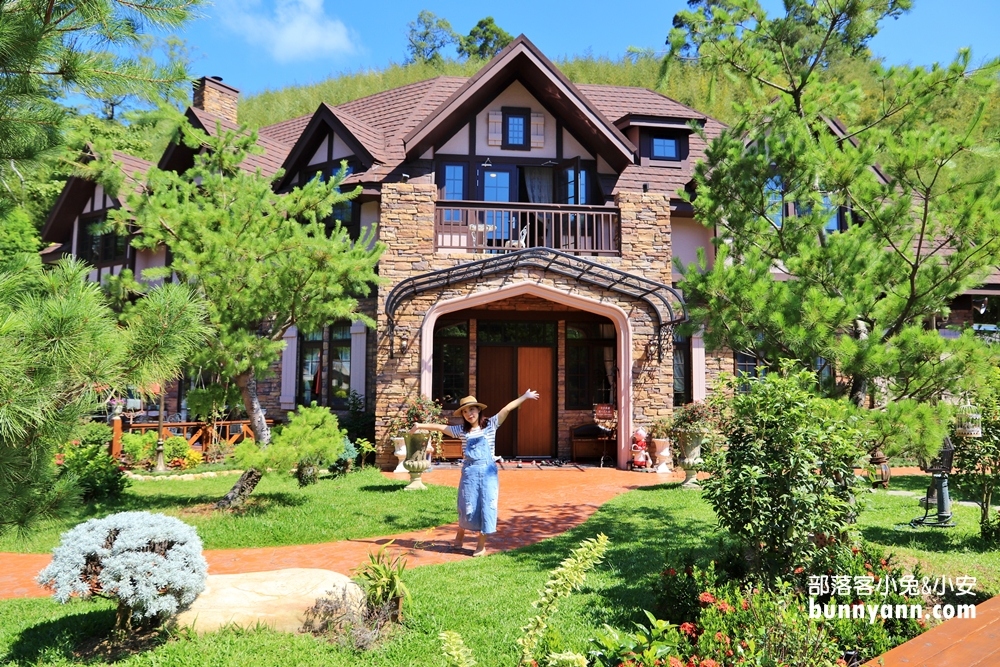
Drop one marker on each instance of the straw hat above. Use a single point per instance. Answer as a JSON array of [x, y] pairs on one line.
[[468, 402]]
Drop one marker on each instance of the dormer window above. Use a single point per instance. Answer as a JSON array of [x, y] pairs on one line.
[[516, 128], [665, 148], [662, 146]]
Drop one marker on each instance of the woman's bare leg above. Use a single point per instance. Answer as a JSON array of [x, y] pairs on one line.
[[480, 546], [459, 538]]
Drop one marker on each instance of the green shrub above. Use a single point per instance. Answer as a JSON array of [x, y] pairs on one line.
[[310, 440], [977, 460], [359, 422], [97, 474], [345, 461], [787, 474], [140, 449], [93, 433], [768, 623], [643, 647]]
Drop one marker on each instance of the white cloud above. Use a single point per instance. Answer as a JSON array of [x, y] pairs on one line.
[[289, 30]]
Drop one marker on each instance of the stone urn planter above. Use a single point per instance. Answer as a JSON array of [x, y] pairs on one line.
[[399, 451], [664, 459], [689, 443], [416, 462]]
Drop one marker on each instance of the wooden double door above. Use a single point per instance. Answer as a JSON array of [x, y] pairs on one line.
[[503, 373]]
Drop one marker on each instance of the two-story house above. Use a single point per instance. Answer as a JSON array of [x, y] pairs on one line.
[[531, 224]]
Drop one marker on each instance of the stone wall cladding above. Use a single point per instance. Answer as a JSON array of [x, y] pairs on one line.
[[216, 98], [718, 363], [406, 226]]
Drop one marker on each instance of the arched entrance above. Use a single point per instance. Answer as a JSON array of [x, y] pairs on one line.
[[514, 352]]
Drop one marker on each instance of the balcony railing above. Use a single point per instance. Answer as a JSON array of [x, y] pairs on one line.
[[495, 227]]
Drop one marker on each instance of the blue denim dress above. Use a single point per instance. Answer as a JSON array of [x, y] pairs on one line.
[[479, 487]]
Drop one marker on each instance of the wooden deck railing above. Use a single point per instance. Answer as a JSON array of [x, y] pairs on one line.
[[494, 227], [199, 435]]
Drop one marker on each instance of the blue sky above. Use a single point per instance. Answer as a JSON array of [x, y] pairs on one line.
[[269, 44]]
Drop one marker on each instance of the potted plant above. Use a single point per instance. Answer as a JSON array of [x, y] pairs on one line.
[[659, 435], [692, 425], [418, 410]]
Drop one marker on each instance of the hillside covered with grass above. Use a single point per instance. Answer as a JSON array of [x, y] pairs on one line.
[[689, 84]]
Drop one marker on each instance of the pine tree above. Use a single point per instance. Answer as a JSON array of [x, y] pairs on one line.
[[872, 216], [49, 49], [264, 261], [63, 353]]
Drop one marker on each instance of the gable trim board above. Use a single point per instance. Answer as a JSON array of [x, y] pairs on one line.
[[522, 61]]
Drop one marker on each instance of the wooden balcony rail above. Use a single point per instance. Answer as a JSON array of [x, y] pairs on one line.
[[199, 435], [495, 227]]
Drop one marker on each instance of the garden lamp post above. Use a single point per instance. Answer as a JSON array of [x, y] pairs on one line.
[[161, 466]]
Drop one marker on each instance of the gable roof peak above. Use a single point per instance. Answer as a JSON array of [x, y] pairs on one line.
[[522, 60]]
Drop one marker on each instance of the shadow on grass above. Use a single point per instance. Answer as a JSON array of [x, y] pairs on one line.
[[135, 503], [382, 488], [920, 483], [260, 504], [938, 540], [59, 638]]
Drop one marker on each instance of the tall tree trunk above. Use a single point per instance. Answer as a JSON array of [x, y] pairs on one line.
[[247, 382], [244, 486]]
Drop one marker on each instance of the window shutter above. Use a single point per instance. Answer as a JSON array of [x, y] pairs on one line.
[[537, 130], [495, 135]]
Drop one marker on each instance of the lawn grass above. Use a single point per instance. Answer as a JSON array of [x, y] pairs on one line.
[[949, 552], [279, 513], [488, 600]]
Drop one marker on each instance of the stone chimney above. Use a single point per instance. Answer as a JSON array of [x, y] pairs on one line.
[[215, 97]]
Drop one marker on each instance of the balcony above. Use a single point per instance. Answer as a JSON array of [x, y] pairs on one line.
[[497, 227]]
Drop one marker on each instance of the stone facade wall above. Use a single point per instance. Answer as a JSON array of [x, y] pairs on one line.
[[407, 227], [718, 363]]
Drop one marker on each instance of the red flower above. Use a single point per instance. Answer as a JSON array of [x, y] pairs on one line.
[[706, 598], [800, 570], [688, 629], [60, 459], [744, 604], [671, 572], [708, 662], [724, 606]]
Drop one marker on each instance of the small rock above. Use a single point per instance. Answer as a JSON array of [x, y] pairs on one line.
[[278, 599]]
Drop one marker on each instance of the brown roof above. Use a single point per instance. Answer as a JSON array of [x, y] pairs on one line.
[[395, 112], [269, 162], [134, 169], [288, 131], [371, 138], [616, 102]]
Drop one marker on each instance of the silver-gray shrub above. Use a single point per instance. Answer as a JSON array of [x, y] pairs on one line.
[[151, 564]]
